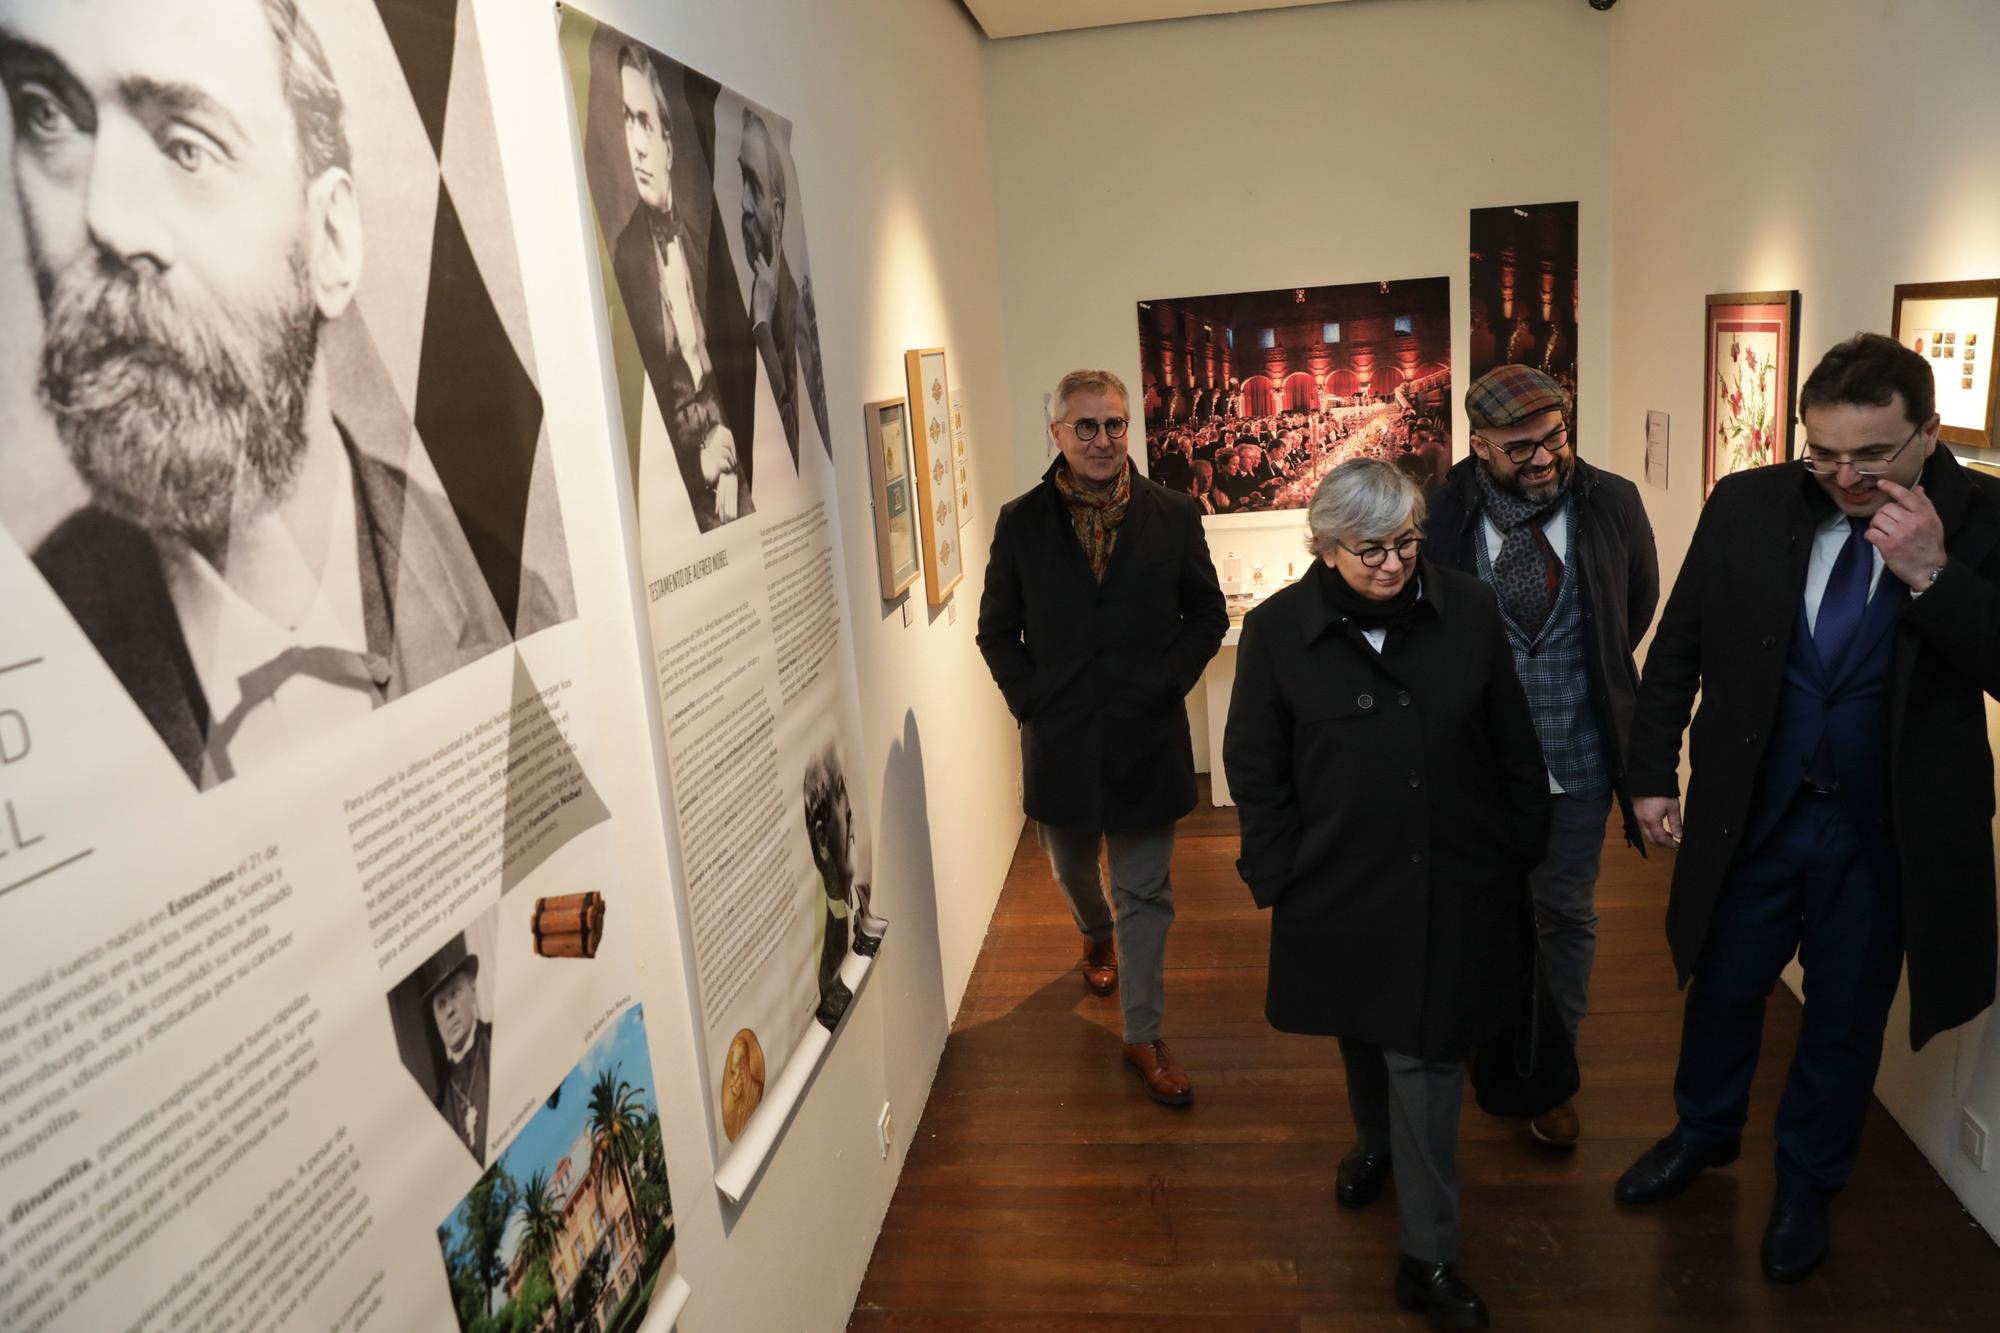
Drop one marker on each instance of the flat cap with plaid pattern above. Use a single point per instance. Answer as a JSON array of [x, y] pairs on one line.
[[1508, 395]]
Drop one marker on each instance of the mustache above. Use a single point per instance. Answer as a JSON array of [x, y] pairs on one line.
[[179, 411]]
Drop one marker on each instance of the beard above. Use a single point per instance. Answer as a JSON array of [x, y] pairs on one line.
[[182, 416]]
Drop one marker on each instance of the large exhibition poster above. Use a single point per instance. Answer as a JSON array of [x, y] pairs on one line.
[[1524, 290], [307, 900], [701, 239], [1250, 398]]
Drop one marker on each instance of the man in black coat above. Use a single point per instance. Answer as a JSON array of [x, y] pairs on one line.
[[680, 292], [1840, 622], [1101, 609], [1567, 548]]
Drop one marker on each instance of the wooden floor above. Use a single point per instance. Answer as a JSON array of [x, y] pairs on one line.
[[1045, 1191]]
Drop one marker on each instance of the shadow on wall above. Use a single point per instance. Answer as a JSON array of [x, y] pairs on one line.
[[913, 1018]]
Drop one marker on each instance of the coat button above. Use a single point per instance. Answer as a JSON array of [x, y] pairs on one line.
[[1416, 857], [1770, 641], [1416, 781], [1727, 832], [1364, 701], [1403, 698]]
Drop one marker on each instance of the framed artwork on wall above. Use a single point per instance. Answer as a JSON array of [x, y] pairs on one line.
[[937, 495], [1951, 324], [1751, 379], [1250, 398], [895, 491]]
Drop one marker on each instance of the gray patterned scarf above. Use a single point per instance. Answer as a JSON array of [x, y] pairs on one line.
[[1526, 574]]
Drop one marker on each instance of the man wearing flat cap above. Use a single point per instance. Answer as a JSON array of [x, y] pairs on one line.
[[1568, 551], [464, 1044]]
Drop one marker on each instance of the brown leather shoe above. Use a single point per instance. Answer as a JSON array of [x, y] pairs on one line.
[[1165, 1081], [1100, 966], [1557, 1126]]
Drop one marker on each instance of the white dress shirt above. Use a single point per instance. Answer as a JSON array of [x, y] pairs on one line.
[[227, 637], [683, 314]]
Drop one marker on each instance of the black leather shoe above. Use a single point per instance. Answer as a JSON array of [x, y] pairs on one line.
[[1668, 1167], [1436, 1290], [1794, 1240], [1360, 1179]]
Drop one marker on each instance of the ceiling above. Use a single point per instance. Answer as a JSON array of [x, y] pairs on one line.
[[1018, 18]]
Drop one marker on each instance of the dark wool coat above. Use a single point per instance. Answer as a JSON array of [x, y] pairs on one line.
[[1726, 631], [1620, 579], [1097, 674], [1391, 807]]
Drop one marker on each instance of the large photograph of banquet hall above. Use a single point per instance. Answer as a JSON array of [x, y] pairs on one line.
[[1251, 398]]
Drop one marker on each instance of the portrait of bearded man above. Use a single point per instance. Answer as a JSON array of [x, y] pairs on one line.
[[248, 561]]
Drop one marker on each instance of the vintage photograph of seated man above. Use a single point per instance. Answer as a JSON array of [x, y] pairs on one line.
[[1250, 399], [695, 196], [277, 448]]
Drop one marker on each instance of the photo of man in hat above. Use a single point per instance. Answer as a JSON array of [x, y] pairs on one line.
[[443, 1041]]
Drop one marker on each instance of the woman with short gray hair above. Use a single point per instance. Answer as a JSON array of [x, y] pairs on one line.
[[1392, 799]]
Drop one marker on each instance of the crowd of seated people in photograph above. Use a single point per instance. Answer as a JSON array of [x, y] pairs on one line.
[[1235, 464]]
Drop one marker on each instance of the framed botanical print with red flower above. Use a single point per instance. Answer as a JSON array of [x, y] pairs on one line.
[[1751, 379]]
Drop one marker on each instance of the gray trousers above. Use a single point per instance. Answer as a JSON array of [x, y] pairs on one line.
[[1144, 895], [1408, 1108], [1564, 887]]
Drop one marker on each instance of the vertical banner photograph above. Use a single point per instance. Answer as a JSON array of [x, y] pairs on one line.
[[290, 669], [1250, 398], [713, 334], [1524, 291]]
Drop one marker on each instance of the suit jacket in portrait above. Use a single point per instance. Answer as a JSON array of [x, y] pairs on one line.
[[730, 391], [429, 608]]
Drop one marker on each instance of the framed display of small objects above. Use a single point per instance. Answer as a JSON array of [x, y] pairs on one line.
[[895, 491], [1951, 324], [930, 438]]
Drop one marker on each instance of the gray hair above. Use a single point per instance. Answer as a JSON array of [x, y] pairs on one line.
[[1085, 381], [1362, 500]]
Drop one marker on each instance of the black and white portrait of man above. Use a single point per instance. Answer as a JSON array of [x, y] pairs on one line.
[[679, 289], [292, 512], [443, 1036], [783, 320]]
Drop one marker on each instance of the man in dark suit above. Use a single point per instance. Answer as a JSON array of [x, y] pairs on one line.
[[675, 276], [1101, 609], [251, 577], [1841, 622], [464, 1043], [783, 320]]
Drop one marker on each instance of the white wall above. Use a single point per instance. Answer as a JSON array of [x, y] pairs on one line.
[[1164, 160], [1834, 146], [890, 141]]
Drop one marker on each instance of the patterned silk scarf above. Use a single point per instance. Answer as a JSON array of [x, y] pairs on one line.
[[1095, 513], [1526, 574]]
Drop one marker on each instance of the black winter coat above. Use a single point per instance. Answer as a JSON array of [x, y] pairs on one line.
[[1726, 631], [1620, 583], [1097, 674], [1391, 807]]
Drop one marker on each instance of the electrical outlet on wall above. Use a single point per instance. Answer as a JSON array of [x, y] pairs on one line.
[[885, 1130], [1972, 1138]]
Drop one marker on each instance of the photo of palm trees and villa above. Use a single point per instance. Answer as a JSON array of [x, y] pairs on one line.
[[571, 1229]]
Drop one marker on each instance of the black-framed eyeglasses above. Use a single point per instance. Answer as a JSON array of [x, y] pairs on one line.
[[1374, 557], [1825, 465], [1521, 451], [1085, 428]]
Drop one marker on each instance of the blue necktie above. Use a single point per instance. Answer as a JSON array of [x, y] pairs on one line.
[[1846, 596]]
